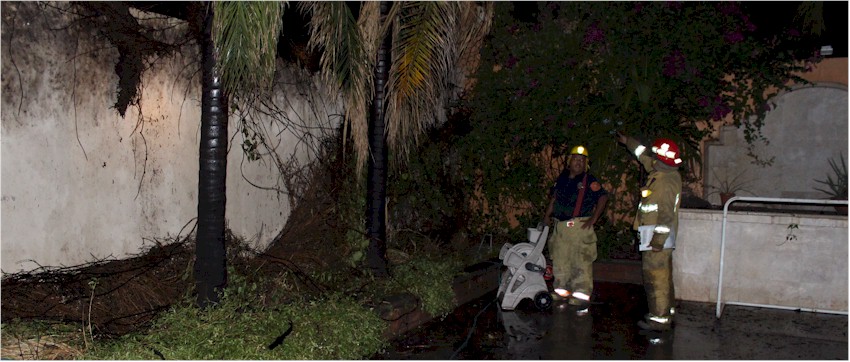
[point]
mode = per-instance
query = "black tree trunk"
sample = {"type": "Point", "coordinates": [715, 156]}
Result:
{"type": "Point", "coordinates": [210, 256]}
{"type": "Point", "coordinates": [376, 183]}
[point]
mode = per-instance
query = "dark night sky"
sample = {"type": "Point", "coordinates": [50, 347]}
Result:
{"type": "Point", "coordinates": [769, 16]}
{"type": "Point", "coordinates": [772, 16]}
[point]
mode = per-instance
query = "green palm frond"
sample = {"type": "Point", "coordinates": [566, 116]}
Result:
{"type": "Point", "coordinates": [810, 17]}
{"type": "Point", "coordinates": [428, 39]}
{"type": "Point", "coordinates": [838, 185]}
{"type": "Point", "coordinates": [421, 56]}
{"type": "Point", "coordinates": [245, 34]}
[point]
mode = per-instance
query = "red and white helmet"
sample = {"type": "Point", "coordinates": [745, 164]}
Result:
{"type": "Point", "coordinates": [667, 152]}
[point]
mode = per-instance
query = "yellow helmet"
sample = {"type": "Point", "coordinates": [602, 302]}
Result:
{"type": "Point", "coordinates": [582, 151]}
{"type": "Point", "coordinates": [579, 150]}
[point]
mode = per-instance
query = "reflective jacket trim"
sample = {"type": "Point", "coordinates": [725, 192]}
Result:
{"type": "Point", "coordinates": [648, 208]}
{"type": "Point", "coordinates": [639, 150]}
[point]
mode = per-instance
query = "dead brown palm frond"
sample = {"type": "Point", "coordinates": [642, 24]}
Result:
{"type": "Point", "coordinates": [245, 34]}
{"type": "Point", "coordinates": [348, 46]}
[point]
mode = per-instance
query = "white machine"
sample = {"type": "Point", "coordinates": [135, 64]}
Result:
{"type": "Point", "coordinates": [523, 277]}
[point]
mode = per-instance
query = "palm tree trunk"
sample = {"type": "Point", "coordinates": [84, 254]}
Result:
{"type": "Point", "coordinates": [210, 256]}
{"type": "Point", "coordinates": [376, 183]}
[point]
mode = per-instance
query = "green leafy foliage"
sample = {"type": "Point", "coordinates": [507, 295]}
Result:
{"type": "Point", "coordinates": [580, 71]}
{"type": "Point", "coordinates": [430, 280]}
{"type": "Point", "coordinates": [242, 327]}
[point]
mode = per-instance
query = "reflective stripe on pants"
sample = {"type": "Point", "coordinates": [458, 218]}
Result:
{"type": "Point", "coordinates": [573, 251]}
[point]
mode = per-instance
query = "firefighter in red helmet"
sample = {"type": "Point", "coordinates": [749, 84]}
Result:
{"type": "Point", "coordinates": [657, 222]}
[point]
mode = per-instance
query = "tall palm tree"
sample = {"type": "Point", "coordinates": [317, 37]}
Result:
{"type": "Point", "coordinates": [210, 260]}
{"type": "Point", "coordinates": [398, 58]}
{"type": "Point", "coordinates": [238, 41]}
{"type": "Point", "coordinates": [376, 180]}
{"type": "Point", "coordinates": [403, 91]}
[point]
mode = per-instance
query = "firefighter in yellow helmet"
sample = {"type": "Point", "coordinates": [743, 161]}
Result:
{"type": "Point", "coordinates": [657, 222]}
{"type": "Point", "coordinates": [576, 202]}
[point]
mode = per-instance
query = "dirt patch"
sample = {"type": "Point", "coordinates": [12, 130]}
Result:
{"type": "Point", "coordinates": [117, 297]}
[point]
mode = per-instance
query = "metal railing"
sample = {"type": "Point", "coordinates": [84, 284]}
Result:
{"type": "Point", "coordinates": [720, 302]}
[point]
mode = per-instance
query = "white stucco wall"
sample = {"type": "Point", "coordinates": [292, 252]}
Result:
{"type": "Point", "coordinates": [80, 183]}
{"type": "Point", "coordinates": [807, 127]}
{"type": "Point", "coordinates": [762, 264]}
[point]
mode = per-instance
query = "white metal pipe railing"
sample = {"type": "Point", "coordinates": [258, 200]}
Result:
{"type": "Point", "coordinates": [720, 303]}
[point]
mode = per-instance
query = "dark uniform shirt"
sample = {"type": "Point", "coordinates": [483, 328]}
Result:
{"type": "Point", "coordinates": [567, 194]}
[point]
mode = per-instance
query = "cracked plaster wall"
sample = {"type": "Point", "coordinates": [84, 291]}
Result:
{"type": "Point", "coordinates": [80, 183]}
{"type": "Point", "coordinates": [806, 128]}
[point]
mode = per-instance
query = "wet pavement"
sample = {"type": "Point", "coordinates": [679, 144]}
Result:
{"type": "Point", "coordinates": [481, 330]}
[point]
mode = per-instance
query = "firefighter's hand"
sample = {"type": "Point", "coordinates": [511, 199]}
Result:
{"type": "Point", "coordinates": [547, 220]}
{"type": "Point", "coordinates": [588, 224]}
{"type": "Point", "coordinates": [657, 242]}
{"type": "Point", "coordinates": [621, 137]}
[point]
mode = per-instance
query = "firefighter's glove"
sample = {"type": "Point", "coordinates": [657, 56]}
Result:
{"type": "Point", "coordinates": [657, 242]}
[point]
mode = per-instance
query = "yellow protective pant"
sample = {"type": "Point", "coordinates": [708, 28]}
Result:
{"type": "Point", "coordinates": [658, 282]}
{"type": "Point", "coordinates": [573, 251]}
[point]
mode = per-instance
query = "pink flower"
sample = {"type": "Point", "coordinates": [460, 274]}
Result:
{"type": "Point", "coordinates": [593, 35]}
{"type": "Point", "coordinates": [675, 5]}
{"type": "Point", "coordinates": [511, 62]}
{"type": "Point", "coordinates": [734, 37]}
{"type": "Point", "coordinates": [728, 8]}
{"type": "Point", "coordinates": [674, 64]}
{"type": "Point", "coordinates": [720, 111]}
{"type": "Point", "coordinates": [638, 7]}
{"type": "Point", "coordinates": [751, 27]}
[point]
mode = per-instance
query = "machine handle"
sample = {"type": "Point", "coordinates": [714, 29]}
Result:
{"type": "Point", "coordinates": [534, 267]}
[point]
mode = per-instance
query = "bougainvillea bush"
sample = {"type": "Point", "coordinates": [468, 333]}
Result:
{"type": "Point", "coordinates": [576, 72]}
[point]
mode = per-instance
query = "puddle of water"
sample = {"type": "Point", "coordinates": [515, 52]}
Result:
{"type": "Point", "coordinates": [481, 330]}
{"type": "Point", "coordinates": [606, 331]}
